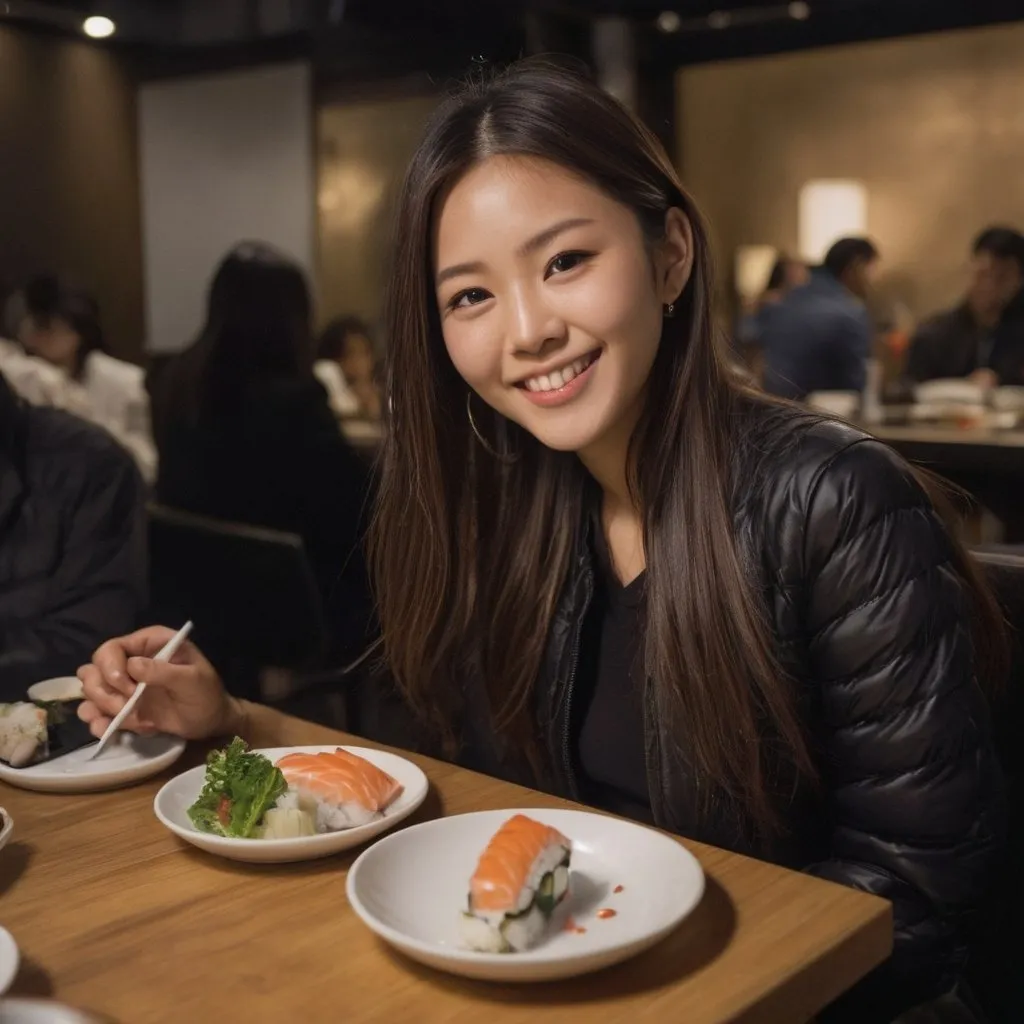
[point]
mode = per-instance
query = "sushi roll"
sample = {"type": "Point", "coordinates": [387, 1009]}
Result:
{"type": "Point", "coordinates": [24, 737]}
{"type": "Point", "coordinates": [341, 789]}
{"type": "Point", "coordinates": [520, 879]}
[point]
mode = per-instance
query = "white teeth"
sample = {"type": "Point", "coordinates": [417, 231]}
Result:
{"type": "Point", "coordinates": [558, 378]}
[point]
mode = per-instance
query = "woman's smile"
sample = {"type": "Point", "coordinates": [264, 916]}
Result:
{"type": "Point", "coordinates": [561, 384]}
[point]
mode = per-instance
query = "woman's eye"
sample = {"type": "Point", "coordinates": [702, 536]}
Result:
{"type": "Point", "coordinates": [566, 261]}
{"type": "Point", "coordinates": [468, 297]}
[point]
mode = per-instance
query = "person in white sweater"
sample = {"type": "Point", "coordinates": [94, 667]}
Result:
{"type": "Point", "coordinates": [59, 325]}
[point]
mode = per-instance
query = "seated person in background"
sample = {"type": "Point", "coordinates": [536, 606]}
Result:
{"type": "Point", "coordinates": [72, 542]}
{"type": "Point", "coordinates": [346, 366]}
{"type": "Point", "coordinates": [983, 337]}
{"type": "Point", "coordinates": [243, 427]}
{"type": "Point", "coordinates": [818, 337]}
{"type": "Point", "coordinates": [40, 383]}
{"type": "Point", "coordinates": [786, 274]}
{"type": "Point", "coordinates": [60, 324]}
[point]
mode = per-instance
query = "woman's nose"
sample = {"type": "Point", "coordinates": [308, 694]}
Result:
{"type": "Point", "coordinates": [535, 327]}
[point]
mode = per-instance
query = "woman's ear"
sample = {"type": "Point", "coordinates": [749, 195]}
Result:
{"type": "Point", "coordinates": [674, 261]}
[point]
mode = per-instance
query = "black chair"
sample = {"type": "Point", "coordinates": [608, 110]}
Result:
{"type": "Point", "coordinates": [250, 592]}
{"type": "Point", "coordinates": [994, 972]}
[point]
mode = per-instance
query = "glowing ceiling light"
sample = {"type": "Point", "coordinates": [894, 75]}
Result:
{"type": "Point", "coordinates": [98, 27]}
{"type": "Point", "coordinates": [799, 10]}
{"type": "Point", "coordinates": [669, 21]}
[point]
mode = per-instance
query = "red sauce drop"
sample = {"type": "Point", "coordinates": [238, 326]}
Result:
{"type": "Point", "coordinates": [603, 915]}
{"type": "Point", "coordinates": [573, 928]}
{"type": "Point", "coordinates": [619, 888]}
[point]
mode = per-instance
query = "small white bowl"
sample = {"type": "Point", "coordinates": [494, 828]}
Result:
{"type": "Point", "coordinates": [61, 688]}
{"type": "Point", "coordinates": [10, 961]}
{"type": "Point", "coordinates": [410, 889]}
{"type": "Point", "coordinates": [173, 801]}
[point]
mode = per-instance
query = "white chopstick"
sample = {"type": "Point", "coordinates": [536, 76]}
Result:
{"type": "Point", "coordinates": [165, 653]}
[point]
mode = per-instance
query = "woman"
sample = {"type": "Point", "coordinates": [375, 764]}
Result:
{"type": "Point", "coordinates": [346, 366]}
{"type": "Point", "coordinates": [604, 567]}
{"type": "Point", "coordinates": [243, 427]}
{"type": "Point", "coordinates": [60, 324]}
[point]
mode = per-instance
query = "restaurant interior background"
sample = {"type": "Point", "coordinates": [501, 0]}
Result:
{"type": "Point", "coordinates": [143, 139]}
{"type": "Point", "coordinates": [136, 161]}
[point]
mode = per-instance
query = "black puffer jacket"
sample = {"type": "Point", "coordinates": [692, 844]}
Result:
{"type": "Point", "coordinates": [872, 623]}
{"type": "Point", "coordinates": [72, 543]}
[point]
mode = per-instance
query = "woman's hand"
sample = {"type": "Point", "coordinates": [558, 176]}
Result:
{"type": "Point", "coordinates": [184, 697]}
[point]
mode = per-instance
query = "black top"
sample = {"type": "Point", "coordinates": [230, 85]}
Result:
{"type": "Point", "coordinates": [611, 685]}
{"type": "Point", "coordinates": [280, 461]}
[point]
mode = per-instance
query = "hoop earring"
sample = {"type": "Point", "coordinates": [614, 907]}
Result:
{"type": "Point", "coordinates": [507, 458]}
{"type": "Point", "coordinates": [670, 311]}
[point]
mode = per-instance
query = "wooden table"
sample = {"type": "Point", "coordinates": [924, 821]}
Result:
{"type": "Point", "coordinates": [115, 915]}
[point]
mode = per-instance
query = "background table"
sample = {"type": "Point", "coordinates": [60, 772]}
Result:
{"type": "Point", "coordinates": [114, 914]}
{"type": "Point", "coordinates": [988, 464]}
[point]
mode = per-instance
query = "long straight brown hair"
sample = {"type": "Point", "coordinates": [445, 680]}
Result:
{"type": "Point", "coordinates": [469, 553]}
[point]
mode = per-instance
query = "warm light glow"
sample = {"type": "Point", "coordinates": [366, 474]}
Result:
{"type": "Point", "coordinates": [753, 267]}
{"type": "Point", "coordinates": [830, 210]}
{"type": "Point", "coordinates": [98, 27]}
{"type": "Point", "coordinates": [669, 21]}
{"type": "Point", "coordinates": [799, 10]}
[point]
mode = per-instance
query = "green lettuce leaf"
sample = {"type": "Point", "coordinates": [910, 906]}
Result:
{"type": "Point", "coordinates": [240, 787]}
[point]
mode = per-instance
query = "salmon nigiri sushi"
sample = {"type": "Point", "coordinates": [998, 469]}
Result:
{"type": "Point", "coordinates": [520, 879]}
{"type": "Point", "coordinates": [341, 789]}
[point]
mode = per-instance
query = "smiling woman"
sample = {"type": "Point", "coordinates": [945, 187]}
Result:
{"type": "Point", "coordinates": [605, 567]}
{"type": "Point", "coordinates": [627, 577]}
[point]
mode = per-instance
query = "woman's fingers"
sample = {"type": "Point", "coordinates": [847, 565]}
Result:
{"type": "Point", "coordinates": [108, 699]}
{"type": "Point", "coordinates": [158, 673]}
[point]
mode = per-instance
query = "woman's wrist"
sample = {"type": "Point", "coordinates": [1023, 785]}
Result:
{"type": "Point", "coordinates": [234, 718]}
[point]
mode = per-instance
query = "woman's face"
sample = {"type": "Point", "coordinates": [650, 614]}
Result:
{"type": "Point", "coordinates": [357, 359]}
{"type": "Point", "coordinates": [52, 339]}
{"type": "Point", "coordinates": [551, 300]}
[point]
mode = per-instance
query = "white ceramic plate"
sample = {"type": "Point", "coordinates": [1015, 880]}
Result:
{"type": "Point", "coordinates": [128, 759]}
{"type": "Point", "coordinates": [9, 960]}
{"type": "Point", "coordinates": [6, 827]}
{"type": "Point", "coordinates": [172, 803]}
{"type": "Point", "coordinates": [410, 889]}
{"type": "Point", "coordinates": [40, 1011]}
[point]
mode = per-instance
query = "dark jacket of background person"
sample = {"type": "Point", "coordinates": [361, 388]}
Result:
{"type": "Point", "coordinates": [872, 625]}
{"type": "Point", "coordinates": [954, 344]}
{"type": "Point", "coordinates": [816, 338]}
{"type": "Point", "coordinates": [72, 543]}
{"type": "Point", "coordinates": [985, 333]}
{"type": "Point", "coordinates": [244, 431]}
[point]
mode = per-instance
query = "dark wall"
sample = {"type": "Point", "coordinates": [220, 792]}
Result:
{"type": "Point", "coordinates": [69, 184]}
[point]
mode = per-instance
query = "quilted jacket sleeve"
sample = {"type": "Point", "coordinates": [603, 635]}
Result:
{"type": "Point", "coordinates": [915, 797]}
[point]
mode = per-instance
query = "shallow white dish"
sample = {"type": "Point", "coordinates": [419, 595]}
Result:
{"type": "Point", "coordinates": [174, 799]}
{"type": "Point", "coordinates": [410, 889]}
{"type": "Point", "coordinates": [40, 1011]}
{"type": "Point", "coordinates": [10, 960]}
{"type": "Point", "coordinates": [129, 759]}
